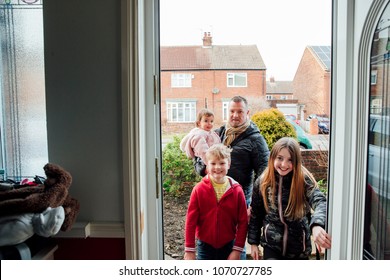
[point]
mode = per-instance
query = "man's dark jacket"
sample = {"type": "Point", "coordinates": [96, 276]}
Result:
{"type": "Point", "coordinates": [249, 157]}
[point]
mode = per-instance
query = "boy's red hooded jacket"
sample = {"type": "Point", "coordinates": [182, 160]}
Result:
{"type": "Point", "coordinates": [216, 222]}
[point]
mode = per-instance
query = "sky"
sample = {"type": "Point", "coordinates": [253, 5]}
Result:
{"type": "Point", "coordinates": [281, 29]}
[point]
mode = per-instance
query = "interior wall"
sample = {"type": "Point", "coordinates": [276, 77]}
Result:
{"type": "Point", "coordinates": [83, 94]}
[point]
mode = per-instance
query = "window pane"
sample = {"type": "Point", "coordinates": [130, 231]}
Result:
{"type": "Point", "coordinates": [22, 89]}
{"type": "Point", "coordinates": [187, 112]}
{"type": "Point", "coordinates": [230, 80]}
{"type": "Point", "coordinates": [236, 80]}
{"type": "Point", "coordinates": [174, 112]}
{"type": "Point", "coordinates": [180, 112]}
{"type": "Point", "coordinates": [377, 211]}
{"type": "Point", "coordinates": [225, 111]}
{"type": "Point", "coordinates": [240, 80]}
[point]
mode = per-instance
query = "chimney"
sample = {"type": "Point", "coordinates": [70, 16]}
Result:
{"type": "Point", "coordinates": [272, 79]}
{"type": "Point", "coordinates": [207, 40]}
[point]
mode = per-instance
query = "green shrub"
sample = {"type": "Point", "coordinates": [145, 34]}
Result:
{"type": "Point", "coordinates": [177, 169]}
{"type": "Point", "coordinates": [323, 186]}
{"type": "Point", "coordinates": [273, 125]}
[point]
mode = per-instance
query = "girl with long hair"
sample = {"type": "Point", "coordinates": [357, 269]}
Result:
{"type": "Point", "coordinates": [287, 207]}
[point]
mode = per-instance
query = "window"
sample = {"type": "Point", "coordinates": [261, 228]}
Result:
{"type": "Point", "coordinates": [283, 97]}
{"type": "Point", "coordinates": [373, 77]}
{"type": "Point", "coordinates": [377, 204]}
{"type": "Point", "coordinates": [22, 89]}
{"type": "Point", "coordinates": [181, 80]}
{"type": "Point", "coordinates": [268, 97]}
{"type": "Point", "coordinates": [376, 106]}
{"type": "Point", "coordinates": [181, 111]}
{"type": "Point", "coordinates": [236, 79]}
{"type": "Point", "coordinates": [225, 113]}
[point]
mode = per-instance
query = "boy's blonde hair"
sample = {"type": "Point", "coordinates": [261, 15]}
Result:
{"type": "Point", "coordinates": [201, 113]}
{"type": "Point", "coordinates": [219, 151]}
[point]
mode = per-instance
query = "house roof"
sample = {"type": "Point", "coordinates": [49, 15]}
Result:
{"type": "Point", "coordinates": [280, 87]}
{"type": "Point", "coordinates": [234, 57]}
{"type": "Point", "coordinates": [323, 55]}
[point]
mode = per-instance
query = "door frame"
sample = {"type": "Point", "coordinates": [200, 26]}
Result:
{"type": "Point", "coordinates": [353, 24]}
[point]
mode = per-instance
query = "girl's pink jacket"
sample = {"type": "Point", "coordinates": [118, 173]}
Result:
{"type": "Point", "coordinates": [197, 141]}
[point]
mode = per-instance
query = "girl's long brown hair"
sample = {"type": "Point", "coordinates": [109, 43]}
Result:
{"type": "Point", "coordinates": [296, 207]}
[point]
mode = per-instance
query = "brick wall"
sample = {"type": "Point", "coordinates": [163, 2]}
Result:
{"type": "Point", "coordinates": [317, 163]}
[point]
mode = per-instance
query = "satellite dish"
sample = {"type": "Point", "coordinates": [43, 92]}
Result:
{"type": "Point", "coordinates": [215, 90]}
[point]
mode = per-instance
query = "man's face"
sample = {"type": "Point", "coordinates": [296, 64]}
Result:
{"type": "Point", "coordinates": [238, 113]}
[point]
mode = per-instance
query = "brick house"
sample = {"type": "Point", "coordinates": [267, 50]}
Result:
{"type": "Point", "coordinates": [195, 77]}
{"type": "Point", "coordinates": [280, 95]}
{"type": "Point", "coordinates": [279, 90]}
{"type": "Point", "coordinates": [311, 84]}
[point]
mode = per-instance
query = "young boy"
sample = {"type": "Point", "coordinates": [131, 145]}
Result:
{"type": "Point", "coordinates": [217, 214]}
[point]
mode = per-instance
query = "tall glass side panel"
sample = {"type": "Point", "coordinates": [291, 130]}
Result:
{"type": "Point", "coordinates": [22, 89]}
{"type": "Point", "coordinates": [377, 211]}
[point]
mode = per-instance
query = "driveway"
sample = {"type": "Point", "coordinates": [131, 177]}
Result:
{"type": "Point", "coordinates": [319, 142]}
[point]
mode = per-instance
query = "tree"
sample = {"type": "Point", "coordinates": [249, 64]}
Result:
{"type": "Point", "coordinates": [257, 104]}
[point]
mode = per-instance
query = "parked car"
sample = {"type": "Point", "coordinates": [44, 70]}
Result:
{"type": "Point", "coordinates": [323, 123]}
{"type": "Point", "coordinates": [292, 117]}
{"type": "Point", "coordinates": [378, 173]}
{"type": "Point", "coordinates": [303, 140]}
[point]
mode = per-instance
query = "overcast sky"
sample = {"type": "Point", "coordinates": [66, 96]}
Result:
{"type": "Point", "coordinates": [281, 29]}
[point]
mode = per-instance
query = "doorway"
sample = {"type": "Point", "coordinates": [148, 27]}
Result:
{"type": "Point", "coordinates": [197, 42]}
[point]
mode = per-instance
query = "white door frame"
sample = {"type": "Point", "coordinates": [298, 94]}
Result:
{"type": "Point", "coordinates": [353, 25]}
{"type": "Point", "coordinates": [141, 130]}
{"type": "Point", "coordinates": [354, 22]}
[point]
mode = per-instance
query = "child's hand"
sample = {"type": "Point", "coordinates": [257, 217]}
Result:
{"type": "Point", "coordinates": [234, 255]}
{"type": "Point", "coordinates": [321, 238]}
{"type": "Point", "coordinates": [255, 252]}
{"type": "Point", "coordinates": [248, 212]}
{"type": "Point", "coordinates": [189, 256]}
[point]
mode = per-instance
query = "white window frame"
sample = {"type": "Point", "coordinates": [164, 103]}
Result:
{"type": "Point", "coordinates": [231, 79]}
{"type": "Point", "coordinates": [181, 80]}
{"type": "Point", "coordinates": [181, 111]}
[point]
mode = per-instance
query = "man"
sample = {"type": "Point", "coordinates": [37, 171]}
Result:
{"type": "Point", "coordinates": [250, 152]}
